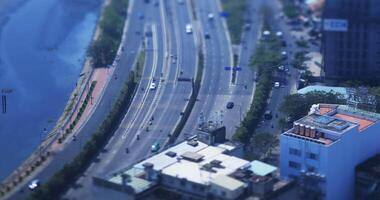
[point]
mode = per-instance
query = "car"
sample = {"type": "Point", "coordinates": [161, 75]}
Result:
{"type": "Point", "coordinates": [207, 35]}
{"type": "Point", "coordinates": [284, 55]}
{"type": "Point", "coordinates": [279, 34]}
{"type": "Point", "coordinates": [210, 16]}
{"type": "Point", "coordinates": [152, 86]}
{"type": "Point", "coordinates": [155, 147]}
{"type": "Point", "coordinates": [230, 105]}
{"type": "Point", "coordinates": [189, 28]}
{"type": "Point", "coordinates": [247, 26]}
{"type": "Point", "coordinates": [180, 2]}
{"type": "Point", "coordinates": [268, 115]}
{"type": "Point", "coordinates": [34, 184]}
{"type": "Point", "coordinates": [281, 68]}
{"type": "Point", "coordinates": [276, 84]}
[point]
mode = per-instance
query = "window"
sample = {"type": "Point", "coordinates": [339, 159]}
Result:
{"type": "Point", "coordinates": [312, 156]}
{"type": "Point", "coordinates": [294, 165]}
{"type": "Point", "coordinates": [310, 168]}
{"type": "Point", "coordinates": [294, 151]}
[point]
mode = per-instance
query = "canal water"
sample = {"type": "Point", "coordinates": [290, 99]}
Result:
{"type": "Point", "coordinates": [42, 47]}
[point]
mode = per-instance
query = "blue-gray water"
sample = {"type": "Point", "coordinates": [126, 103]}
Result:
{"type": "Point", "coordinates": [42, 48]}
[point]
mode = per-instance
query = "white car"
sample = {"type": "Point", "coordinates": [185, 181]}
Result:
{"type": "Point", "coordinates": [276, 84]}
{"type": "Point", "coordinates": [210, 16]}
{"type": "Point", "coordinates": [152, 86]}
{"type": "Point", "coordinates": [189, 28]}
{"type": "Point", "coordinates": [34, 184]}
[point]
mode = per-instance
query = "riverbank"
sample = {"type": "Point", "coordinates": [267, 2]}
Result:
{"type": "Point", "coordinates": [42, 151]}
{"type": "Point", "coordinates": [84, 77]}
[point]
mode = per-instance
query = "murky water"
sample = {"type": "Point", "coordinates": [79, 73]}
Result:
{"type": "Point", "coordinates": [42, 48]}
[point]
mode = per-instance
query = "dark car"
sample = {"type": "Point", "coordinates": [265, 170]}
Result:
{"type": "Point", "coordinates": [207, 35]}
{"type": "Point", "coordinates": [230, 105]}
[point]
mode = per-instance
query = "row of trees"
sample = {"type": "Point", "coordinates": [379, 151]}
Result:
{"type": "Point", "coordinates": [235, 11]}
{"type": "Point", "coordinates": [60, 181]}
{"type": "Point", "coordinates": [103, 50]}
{"type": "Point", "coordinates": [265, 59]}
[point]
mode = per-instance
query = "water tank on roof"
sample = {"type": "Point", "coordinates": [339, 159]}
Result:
{"type": "Point", "coordinates": [296, 128]}
{"type": "Point", "coordinates": [307, 131]}
{"type": "Point", "coordinates": [302, 129]}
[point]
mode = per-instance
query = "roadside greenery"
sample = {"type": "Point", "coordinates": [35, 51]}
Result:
{"type": "Point", "coordinates": [299, 60]}
{"type": "Point", "coordinates": [103, 50]}
{"type": "Point", "coordinates": [302, 43]}
{"type": "Point", "coordinates": [290, 9]}
{"type": "Point", "coordinates": [296, 106]}
{"type": "Point", "coordinates": [265, 60]}
{"type": "Point", "coordinates": [64, 178]}
{"type": "Point", "coordinates": [86, 100]}
{"type": "Point", "coordinates": [235, 20]}
{"type": "Point", "coordinates": [262, 144]}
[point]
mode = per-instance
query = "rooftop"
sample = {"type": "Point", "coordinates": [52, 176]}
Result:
{"type": "Point", "coordinates": [205, 171]}
{"type": "Point", "coordinates": [326, 123]}
{"type": "Point", "coordinates": [339, 118]}
{"type": "Point", "coordinates": [227, 182]}
{"type": "Point", "coordinates": [261, 169]}
{"type": "Point", "coordinates": [203, 161]}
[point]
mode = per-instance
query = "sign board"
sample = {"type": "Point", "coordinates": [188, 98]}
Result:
{"type": "Point", "coordinates": [237, 68]}
{"type": "Point", "coordinates": [339, 25]}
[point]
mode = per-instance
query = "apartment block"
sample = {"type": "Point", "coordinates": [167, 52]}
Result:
{"type": "Point", "coordinates": [323, 148]}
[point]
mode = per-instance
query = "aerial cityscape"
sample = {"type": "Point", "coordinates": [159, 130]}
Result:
{"type": "Point", "coordinates": [190, 99]}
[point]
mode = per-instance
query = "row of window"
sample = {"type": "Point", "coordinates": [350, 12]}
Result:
{"type": "Point", "coordinates": [297, 152]}
{"type": "Point", "coordinates": [296, 165]}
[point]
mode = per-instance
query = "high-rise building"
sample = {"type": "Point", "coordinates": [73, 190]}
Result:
{"type": "Point", "coordinates": [351, 39]}
{"type": "Point", "coordinates": [323, 148]}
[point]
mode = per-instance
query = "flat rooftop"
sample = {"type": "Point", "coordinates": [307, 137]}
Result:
{"type": "Point", "coordinates": [202, 172]}
{"type": "Point", "coordinates": [326, 123]}
{"type": "Point", "coordinates": [198, 163]}
{"type": "Point", "coordinates": [339, 118]}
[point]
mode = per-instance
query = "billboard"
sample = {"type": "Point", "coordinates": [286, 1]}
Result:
{"type": "Point", "coordinates": [340, 25]}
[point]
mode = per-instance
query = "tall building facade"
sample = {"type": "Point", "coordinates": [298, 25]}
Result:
{"type": "Point", "coordinates": [351, 39]}
{"type": "Point", "coordinates": [323, 148]}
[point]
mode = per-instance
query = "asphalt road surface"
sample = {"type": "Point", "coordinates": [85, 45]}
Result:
{"type": "Point", "coordinates": [170, 53]}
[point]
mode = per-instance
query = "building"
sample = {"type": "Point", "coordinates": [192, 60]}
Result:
{"type": "Point", "coordinates": [323, 148]}
{"type": "Point", "coordinates": [194, 170]}
{"type": "Point", "coordinates": [367, 179]}
{"type": "Point", "coordinates": [350, 41]}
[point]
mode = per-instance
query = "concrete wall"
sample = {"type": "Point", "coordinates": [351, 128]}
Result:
{"type": "Point", "coordinates": [337, 161]}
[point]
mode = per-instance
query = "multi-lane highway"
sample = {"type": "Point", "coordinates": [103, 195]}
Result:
{"type": "Point", "coordinates": [170, 53]}
{"type": "Point", "coordinates": [158, 29]}
{"type": "Point", "coordinates": [124, 66]}
{"type": "Point", "coordinates": [217, 87]}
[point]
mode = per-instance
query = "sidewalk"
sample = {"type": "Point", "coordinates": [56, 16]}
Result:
{"type": "Point", "coordinates": [101, 76]}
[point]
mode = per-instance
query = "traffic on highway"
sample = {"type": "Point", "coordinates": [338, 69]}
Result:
{"type": "Point", "coordinates": [187, 71]}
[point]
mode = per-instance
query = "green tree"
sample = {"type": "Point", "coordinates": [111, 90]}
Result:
{"type": "Point", "coordinates": [296, 106]}
{"type": "Point", "coordinates": [262, 144]}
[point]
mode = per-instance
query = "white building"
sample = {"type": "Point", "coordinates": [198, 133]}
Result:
{"type": "Point", "coordinates": [323, 148]}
